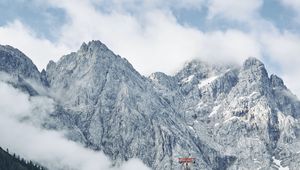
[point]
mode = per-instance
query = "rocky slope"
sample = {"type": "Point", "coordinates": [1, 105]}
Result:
{"type": "Point", "coordinates": [226, 116]}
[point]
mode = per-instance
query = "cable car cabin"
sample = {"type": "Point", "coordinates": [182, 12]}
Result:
{"type": "Point", "coordinates": [185, 162]}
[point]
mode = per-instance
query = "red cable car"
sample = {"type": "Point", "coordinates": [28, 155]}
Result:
{"type": "Point", "coordinates": [186, 161]}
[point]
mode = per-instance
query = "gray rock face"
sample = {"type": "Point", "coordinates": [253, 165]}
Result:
{"type": "Point", "coordinates": [243, 109]}
{"type": "Point", "coordinates": [15, 62]}
{"type": "Point", "coordinates": [119, 112]}
{"type": "Point", "coordinates": [25, 74]}
{"type": "Point", "coordinates": [226, 116]}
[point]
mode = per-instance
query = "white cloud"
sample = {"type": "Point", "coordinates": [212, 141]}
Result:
{"type": "Point", "coordinates": [284, 50]}
{"type": "Point", "coordinates": [149, 41]}
{"type": "Point", "coordinates": [142, 5]}
{"type": "Point", "coordinates": [40, 50]}
{"type": "Point", "coordinates": [133, 164]}
{"type": "Point", "coordinates": [232, 45]}
{"type": "Point", "coordinates": [153, 40]}
{"type": "Point", "coordinates": [13, 97]}
{"type": "Point", "coordinates": [295, 4]}
{"type": "Point", "coordinates": [234, 9]}
{"type": "Point", "coordinates": [49, 148]}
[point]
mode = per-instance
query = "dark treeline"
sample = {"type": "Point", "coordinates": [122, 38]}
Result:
{"type": "Point", "coordinates": [12, 162]}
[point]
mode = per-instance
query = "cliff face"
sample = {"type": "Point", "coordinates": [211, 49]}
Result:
{"type": "Point", "coordinates": [227, 117]}
{"type": "Point", "coordinates": [119, 111]}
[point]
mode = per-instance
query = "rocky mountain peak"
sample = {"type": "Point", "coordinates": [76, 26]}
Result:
{"type": "Point", "coordinates": [93, 46]}
{"type": "Point", "coordinates": [195, 66]}
{"type": "Point", "coordinates": [200, 70]}
{"type": "Point", "coordinates": [164, 80]}
{"type": "Point", "coordinates": [277, 81]}
{"type": "Point", "coordinates": [253, 70]}
{"type": "Point", "coordinates": [93, 55]}
{"type": "Point", "coordinates": [225, 116]}
{"type": "Point", "coordinates": [11, 50]}
{"type": "Point", "coordinates": [88, 71]}
{"type": "Point", "coordinates": [50, 65]}
{"type": "Point", "coordinates": [252, 62]}
{"type": "Point", "coordinates": [83, 47]}
{"type": "Point", "coordinates": [14, 62]}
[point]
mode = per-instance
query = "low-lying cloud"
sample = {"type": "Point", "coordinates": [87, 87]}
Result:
{"type": "Point", "coordinates": [21, 134]}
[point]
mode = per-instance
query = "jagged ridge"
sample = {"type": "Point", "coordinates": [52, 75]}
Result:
{"type": "Point", "coordinates": [228, 117]}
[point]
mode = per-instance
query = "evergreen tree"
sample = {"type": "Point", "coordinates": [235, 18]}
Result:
{"type": "Point", "coordinates": [14, 162]}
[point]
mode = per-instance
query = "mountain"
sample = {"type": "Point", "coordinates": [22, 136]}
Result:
{"type": "Point", "coordinates": [119, 112]}
{"type": "Point", "coordinates": [15, 62]}
{"type": "Point", "coordinates": [226, 116]}
{"type": "Point", "coordinates": [9, 162]}
{"type": "Point", "coordinates": [18, 65]}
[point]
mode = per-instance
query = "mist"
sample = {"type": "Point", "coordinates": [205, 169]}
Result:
{"type": "Point", "coordinates": [21, 133]}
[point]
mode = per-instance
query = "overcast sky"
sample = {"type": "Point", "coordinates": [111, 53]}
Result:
{"type": "Point", "coordinates": [160, 35]}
